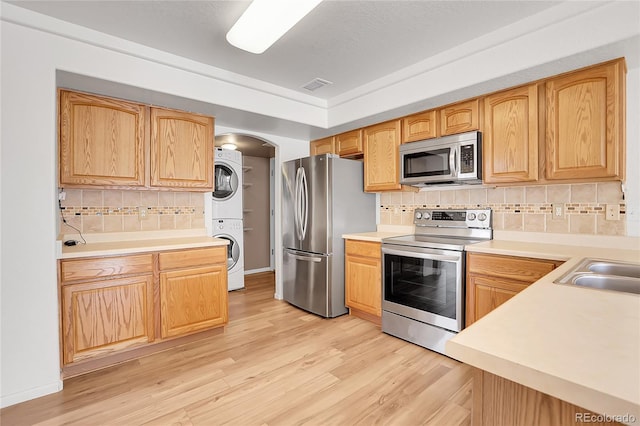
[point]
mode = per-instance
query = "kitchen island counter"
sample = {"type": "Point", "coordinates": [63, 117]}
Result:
{"type": "Point", "coordinates": [577, 344]}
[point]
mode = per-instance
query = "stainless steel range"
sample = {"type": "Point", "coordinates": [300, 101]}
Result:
{"type": "Point", "coordinates": [423, 275]}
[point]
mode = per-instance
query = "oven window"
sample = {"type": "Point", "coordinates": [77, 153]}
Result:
{"type": "Point", "coordinates": [429, 163]}
{"type": "Point", "coordinates": [424, 284]}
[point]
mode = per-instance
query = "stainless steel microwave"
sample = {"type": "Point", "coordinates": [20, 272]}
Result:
{"type": "Point", "coordinates": [449, 159]}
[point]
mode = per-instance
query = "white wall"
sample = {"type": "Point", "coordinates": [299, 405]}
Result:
{"type": "Point", "coordinates": [29, 59]}
{"type": "Point", "coordinates": [29, 314]}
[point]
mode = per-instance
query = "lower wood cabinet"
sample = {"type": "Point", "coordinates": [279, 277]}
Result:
{"type": "Point", "coordinates": [494, 279]}
{"type": "Point", "coordinates": [363, 279]}
{"type": "Point", "coordinates": [122, 304]}
{"type": "Point", "coordinates": [101, 317]}
{"type": "Point", "coordinates": [193, 298]}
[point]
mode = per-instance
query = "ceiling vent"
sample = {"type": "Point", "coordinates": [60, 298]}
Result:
{"type": "Point", "coordinates": [316, 83]}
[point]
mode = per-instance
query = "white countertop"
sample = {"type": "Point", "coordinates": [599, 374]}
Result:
{"type": "Point", "coordinates": [578, 344]}
{"type": "Point", "coordinates": [136, 242]}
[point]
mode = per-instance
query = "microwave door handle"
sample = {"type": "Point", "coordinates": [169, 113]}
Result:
{"type": "Point", "coordinates": [453, 161]}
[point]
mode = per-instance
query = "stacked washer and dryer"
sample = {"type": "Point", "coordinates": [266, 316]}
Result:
{"type": "Point", "coordinates": [227, 211]}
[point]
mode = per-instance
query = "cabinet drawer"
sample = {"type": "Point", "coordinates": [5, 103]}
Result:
{"type": "Point", "coordinates": [82, 269]}
{"type": "Point", "coordinates": [188, 258]}
{"type": "Point", "coordinates": [363, 248]}
{"type": "Point", "coordinates": [516, 268]}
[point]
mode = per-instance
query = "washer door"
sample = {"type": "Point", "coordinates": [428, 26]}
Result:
{"type": "Point", "coordinates": [233, 250]}
{"type": "Point", "coordinates": [226, 182]}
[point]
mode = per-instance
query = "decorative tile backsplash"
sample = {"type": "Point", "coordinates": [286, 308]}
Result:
{"type": "Point", "coordinates": [520, 208]}
{"type": "Point", "coordinates": [96, 211]}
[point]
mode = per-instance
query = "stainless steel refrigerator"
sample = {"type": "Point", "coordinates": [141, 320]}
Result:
{"type": "Point", "coordinates": [322, 199]}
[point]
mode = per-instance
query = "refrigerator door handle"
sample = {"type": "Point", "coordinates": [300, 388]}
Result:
{"type": "Point", "coordinates": [296, 202]}
{"type": "Point", "coordinates": [305, 211]}
{"type": "Point", "coordinates": [314, 259]}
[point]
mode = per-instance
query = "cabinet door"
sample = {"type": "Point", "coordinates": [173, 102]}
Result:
{"type": "Point", "coordinates": [181, 150]}
{"type": "Point", "coordinates": [585, 123]}
{"type": "Point", "coordinates": [420, 126]}
{"type": "Point", "coordinates": [102, 141]}
{"type": "Point", "coordinates": [102, 317]}
{"type": "Point", "coordinates": [363, 284]}
{"type": "Point", "coordinates": [489, 294]}
{"type": "Point", "coordinates": [349, 144]}
{"type": "Point", "coordinates": [510, 138]}
{"type": "Point", "coordinates": [192, 300]}
{"type": "Point", "coordinates": [459, 118]}
{"type": "Point", "coordinates": [382, 157]}
{"type": "Point", "coordinates": [322, 146]}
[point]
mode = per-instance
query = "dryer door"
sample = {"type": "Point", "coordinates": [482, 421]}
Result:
{"type": "Point", "coordinates": [233, 250]}
{"type": "Point", "coordinates": [225, 182]}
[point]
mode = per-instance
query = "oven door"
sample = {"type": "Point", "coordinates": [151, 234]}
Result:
{"type": "Point", "coordinates": [424, 284]}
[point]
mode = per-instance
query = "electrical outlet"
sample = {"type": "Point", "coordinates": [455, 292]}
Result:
{"type": "Point", "coordinates": [557, 211]}
{"type": "Point", "coordinates": [612, 212]}
{"type": "Point", "coordinates": [62, 195]}
{"type": "Point", "coordinates": [142, 213]}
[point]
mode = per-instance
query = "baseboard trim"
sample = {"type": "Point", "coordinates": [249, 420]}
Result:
{"type": "Point", "coordinates": [16, 398]}
{"type": "Point", "coordinates": [257, 271]}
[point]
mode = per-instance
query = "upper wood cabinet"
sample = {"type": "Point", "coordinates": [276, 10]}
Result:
{"type": "Point", "coordinates": [423, 125]}
{"type": "Point", "coordinates": [322, 146]}
{"type": "Point", "coordinates": [460, 117]}
{"type": "Point", "coordinates": [181, 149]}
{"type": "Point", "coordinates": [585, 123]}
{"type": "Point", "coordinates": [382, 157]}
{"type": "Point", "coordinates": [102, 141]}
{"type": "Point", "coordinates": [510, 137]}
{"type": "Point", "coordinates": [118, 144]}
{"type": "Point", "coordinates": [349, 144]}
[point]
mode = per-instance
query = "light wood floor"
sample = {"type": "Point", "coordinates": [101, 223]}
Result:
{"type": "Point", "coordinates": [273, 365]}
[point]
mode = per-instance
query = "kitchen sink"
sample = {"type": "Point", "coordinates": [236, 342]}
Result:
{"type": "Point", "coordinates": [611, 268]}
{"type": "Point", "coordinates": [604, 275]}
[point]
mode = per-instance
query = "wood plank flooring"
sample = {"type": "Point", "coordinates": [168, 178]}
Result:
{"type": "Point", "coordinates": [274, 365]}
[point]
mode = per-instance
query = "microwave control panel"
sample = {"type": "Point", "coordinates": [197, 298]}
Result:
{"type": "Point", "coordinates": [467, 162]}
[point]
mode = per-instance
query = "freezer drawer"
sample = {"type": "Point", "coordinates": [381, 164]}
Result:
{"type": "Point", "coordinates": [308, 285]}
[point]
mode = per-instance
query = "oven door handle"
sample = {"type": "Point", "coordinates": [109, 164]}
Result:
{"type": "Point", "coordinates": [433, 256]}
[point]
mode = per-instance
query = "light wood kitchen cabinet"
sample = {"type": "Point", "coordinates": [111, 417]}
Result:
{"type": "Point", "coordinates": [382, 157]}
{"type": "Point", "coordinates": [459, 118]}
{"type": "Point", "coordinates": [494, 279]}
{"type": "Point", "coordinates": [423, 125]}
{"type": "Point", "coordinates": [510, 138]}
{"type": "Point", "coordinates": [322, 146]}
{"type": "Point", "coordinates": [107, 305]}
{"type": "Point", "coordinates": [349, 144]}
{"type": "Point", "coordinates": [193, 290]}
{"type": "Point", "coordinates": [102, 141]}
{"type": "Point", "coordinates": [111, 143]}
{"type": "Point", "coordinates": [363, 280]}
{"type": "Point", "coordinates": [181, 150]}
{"type": "Point", "coordinates": [586, 123]}
{"type": "Point", "coordinates": [116, 308]}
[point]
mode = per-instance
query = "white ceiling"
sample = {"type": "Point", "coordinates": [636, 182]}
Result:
{"type": "Point", "coordinates": [349, 43]}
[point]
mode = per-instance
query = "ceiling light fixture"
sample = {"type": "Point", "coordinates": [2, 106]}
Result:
{"type": "Point", "coordinates": [265, 21]}
{"type": "Point", "coordinates": [229, 146]}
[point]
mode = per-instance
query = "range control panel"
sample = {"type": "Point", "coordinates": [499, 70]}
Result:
{"type": "Point", "coordinates": [475, 218]}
